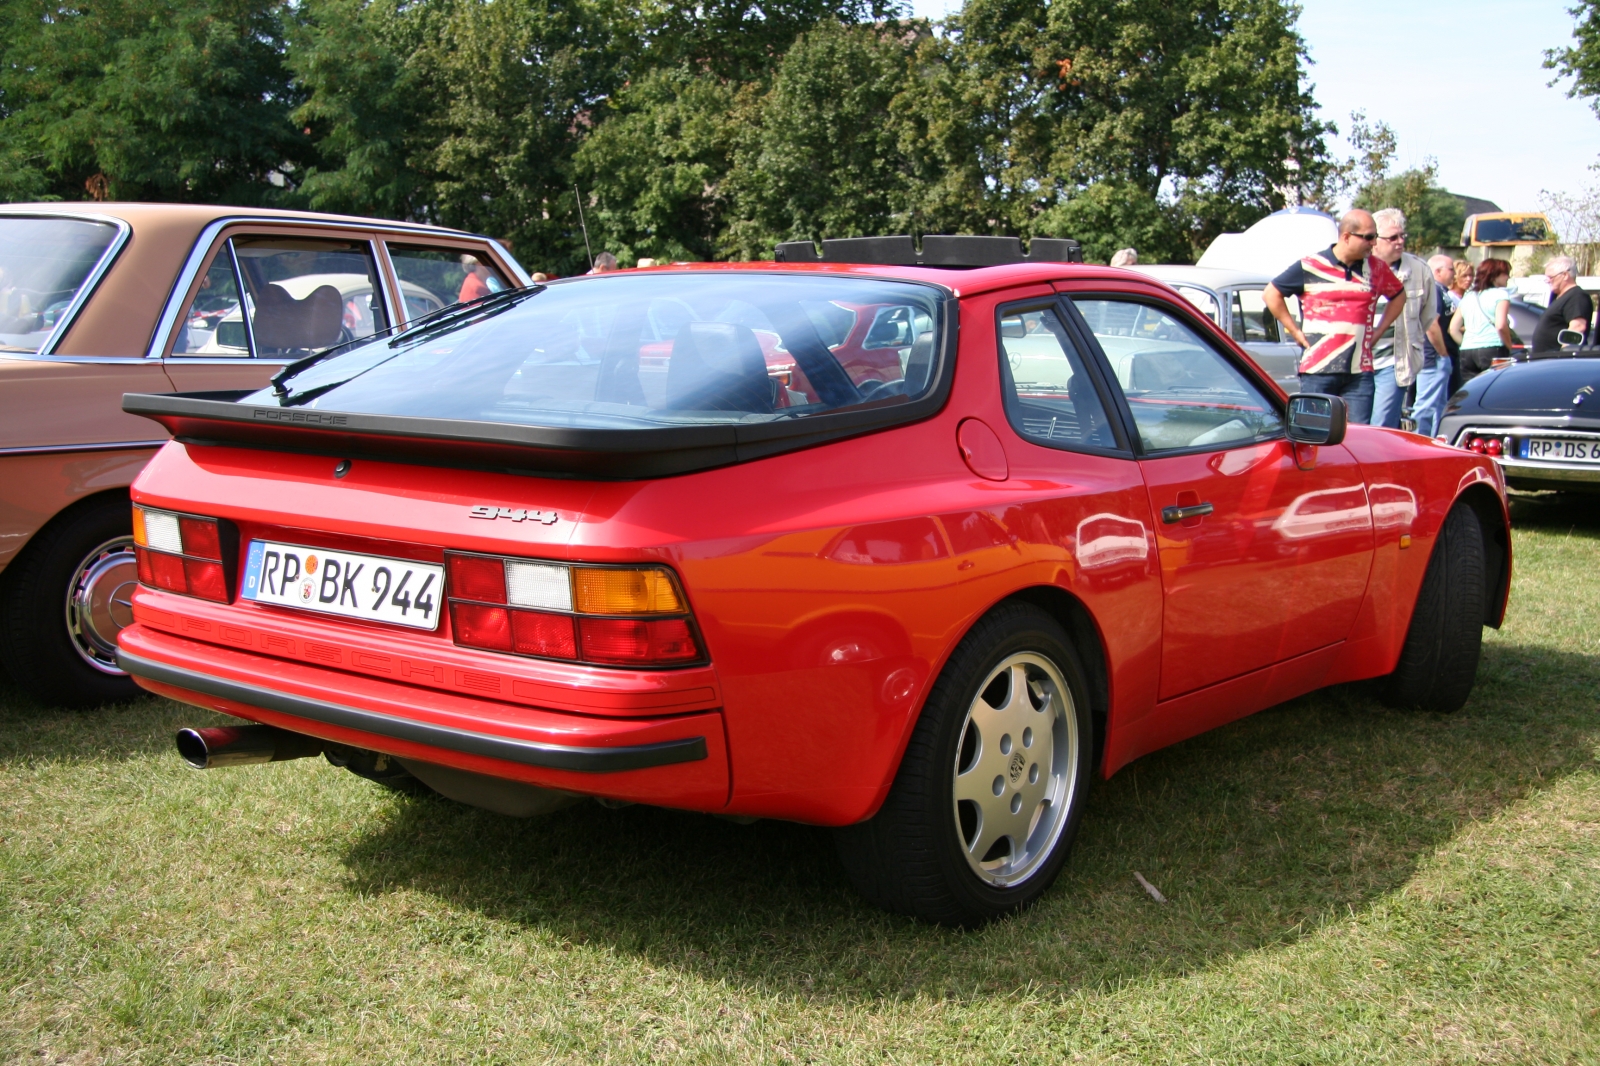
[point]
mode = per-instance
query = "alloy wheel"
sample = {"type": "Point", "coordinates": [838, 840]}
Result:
{"type": "Point", "coordinates": [1016, 769]}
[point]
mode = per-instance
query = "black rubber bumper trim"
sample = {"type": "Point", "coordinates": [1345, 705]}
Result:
{"type": "Point", "coordinates": [526, 752]}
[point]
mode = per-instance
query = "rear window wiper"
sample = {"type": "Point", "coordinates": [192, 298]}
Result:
{"type": "Point", "coordinates": [428, 321]}
{"type": "Point", "coordinates": [447, 316]}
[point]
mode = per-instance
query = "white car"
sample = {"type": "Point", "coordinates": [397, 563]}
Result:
{"type": "Point", "coordinates": [1233, 300]}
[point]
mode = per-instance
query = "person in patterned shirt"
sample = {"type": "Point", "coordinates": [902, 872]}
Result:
{"type": "Point", "coordinates": [1338, 290]}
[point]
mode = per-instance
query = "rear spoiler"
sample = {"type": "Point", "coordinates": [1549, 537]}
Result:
{"type": "Point", "coordinates": [614, 454]}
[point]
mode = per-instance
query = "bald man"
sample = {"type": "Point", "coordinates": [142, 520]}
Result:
{"type": "Point", "coordinates": [1339, 287]}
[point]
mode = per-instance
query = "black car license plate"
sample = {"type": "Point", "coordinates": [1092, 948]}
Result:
{"type": "Point", "coordinates": [1557, 449]}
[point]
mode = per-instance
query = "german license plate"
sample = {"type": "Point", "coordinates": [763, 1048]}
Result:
{"type": "Point", "coordinates": [1565, 451]}
{"type": "Point", "coordinates": [402, 592]}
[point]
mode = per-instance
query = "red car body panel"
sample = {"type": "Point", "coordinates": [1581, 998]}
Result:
{"type": "Point", "coordinates": [831, 584]}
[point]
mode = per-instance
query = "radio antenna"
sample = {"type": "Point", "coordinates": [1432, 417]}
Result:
{"type": "Point", "coordinates": [587, 250]}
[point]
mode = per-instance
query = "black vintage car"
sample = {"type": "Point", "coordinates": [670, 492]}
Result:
{"type": "Point", "coordinates": [1539, 418]}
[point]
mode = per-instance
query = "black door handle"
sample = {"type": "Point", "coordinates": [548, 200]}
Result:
{"type": "Point", "coordinates": [1170, 515]}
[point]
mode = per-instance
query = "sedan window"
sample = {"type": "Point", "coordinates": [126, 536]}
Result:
{"type": "Point", "coordinates": [301, 295]}
{"type": "Point", "coordinates": [1202, 300]}
{"type": "Point", "coordinates": [1183, 393]}
{"type": "Point", "coordinates": [43, 264]}
{"type": "Point", "coordinates": [1251, 319]}
{"type": "Point", "coordinates": [431, 278]}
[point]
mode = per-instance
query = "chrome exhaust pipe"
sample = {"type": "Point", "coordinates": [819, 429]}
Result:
{"type": "Point", "coordinates": [243, 745]}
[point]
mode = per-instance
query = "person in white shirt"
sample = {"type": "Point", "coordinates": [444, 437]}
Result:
{"type": "Point", "coordinates": [1397, 357]}
{"type": "Point", "coordinates": [1433, 380]}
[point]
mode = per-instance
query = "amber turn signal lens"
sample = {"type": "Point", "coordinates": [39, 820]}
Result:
{"type": "Point", "coordinates": [625, 591]}
{"type": "Point", "coordinates": [139, 536]}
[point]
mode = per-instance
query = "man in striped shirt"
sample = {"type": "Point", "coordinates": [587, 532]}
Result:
{"type": "Point", "coordinates": [1338, 290]}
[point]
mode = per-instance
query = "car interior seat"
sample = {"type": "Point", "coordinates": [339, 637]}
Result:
{"type": "Point", "coordinates": [282, 322]}
{"type": "Point", "coordinates": [718, 366]}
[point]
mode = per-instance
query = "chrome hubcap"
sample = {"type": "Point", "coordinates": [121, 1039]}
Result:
{"type": "Point", "coordinates": [100, 602]}
{"type": "Point", "coordinates": [1016, 769]}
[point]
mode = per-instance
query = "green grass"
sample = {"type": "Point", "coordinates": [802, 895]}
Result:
{"type": "Point", "coordinates": [1347, 884]}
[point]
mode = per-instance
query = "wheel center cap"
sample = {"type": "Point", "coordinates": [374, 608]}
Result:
{"type": "Point", "coordinates": [1017, 763]}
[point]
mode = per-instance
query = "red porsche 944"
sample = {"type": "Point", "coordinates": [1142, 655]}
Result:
{"type": "Point", "coordinates": [911, 543]}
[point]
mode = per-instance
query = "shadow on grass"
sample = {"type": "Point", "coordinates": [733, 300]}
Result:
{"type": "Point", "coordinates": [30, 730]}
{"type": "Point", "coordinates": [1577, 513]}
{"type": "Point", "coordinates": [1259, 833]}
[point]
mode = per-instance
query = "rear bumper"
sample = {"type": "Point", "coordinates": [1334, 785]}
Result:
{"type": "Point", "coordinates": [1521, 472]}
{"type": "Point", "coordinates": [676, 761]}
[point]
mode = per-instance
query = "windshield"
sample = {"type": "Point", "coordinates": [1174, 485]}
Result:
{"type": "Point", "coordinates": [43, 263]}
{"type": "Point", "coordinates": [641, 351]}
{"type": "Point", "coordinates": [1510, 230]}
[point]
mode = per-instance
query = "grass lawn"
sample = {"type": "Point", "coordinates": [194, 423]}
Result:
{"type": "Point", "coordinates": [1346, 884]}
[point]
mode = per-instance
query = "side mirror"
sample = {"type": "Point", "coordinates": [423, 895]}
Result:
{"type": "Point", "coordinates": [1317, 419]}
{"type": "Point", "coordinates": [1569, 338]}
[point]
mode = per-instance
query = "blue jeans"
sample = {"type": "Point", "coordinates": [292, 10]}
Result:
{"type": "Point", "coordinates": [1387, 398]}
{"type": "Point", "coordinates": [1433, 389]}
{"type": "Point", "coordinates": [1356, 389]}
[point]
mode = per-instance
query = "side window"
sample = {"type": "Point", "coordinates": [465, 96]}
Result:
{"type": "Point", "coordinates": [1251, 319]}
{"type": "Point", "coordinates": [213, 325]}
{"type": "Point", "coordinates": [1049, 397]}
{"type": "Point", "coordinates": [431, 278]}
{"type": "Point", "coordinates": [306, 294]}
{"type": "Point", "coordinates": [1201, 299]}
{"type": "Point", "coordinates": [1183, 393]}
{"type": "Point", "coordinates": [300, 295]}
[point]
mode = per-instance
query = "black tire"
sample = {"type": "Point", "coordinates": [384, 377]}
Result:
{"type": "Point", "coordinates": [1439, 660]}
{"type": "Point", "coordinates": [912, 856]}
{"type": "Point", "coordinates": [36, 640]}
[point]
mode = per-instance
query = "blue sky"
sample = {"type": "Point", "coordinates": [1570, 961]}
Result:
{"type": "Point", "coordinates": [1503, 143]}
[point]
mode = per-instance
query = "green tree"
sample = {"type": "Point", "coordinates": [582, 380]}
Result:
{"type": "Point", "coordinates": [653, 173]}
{"type": "Point", "coordinates": [1198, 103]}
{"type": "Point", "coordinates": [820, 156]}
{"type": "Point", "coordinates": [1433, 216]}
{"type": "Point", "coordinates": [1580, 61]}
{"type": "Point", "coordinates": [185, 100]}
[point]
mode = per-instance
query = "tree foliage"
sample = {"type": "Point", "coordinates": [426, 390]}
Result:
{"type": "Point", "coordinates": [1580, 61]}
{"type": "Point", "coordinates": [186, 100]}
{"type": "Point", "coordinates": [1433, 216]}
{"type": "Point", "coordinates": [691, 130]}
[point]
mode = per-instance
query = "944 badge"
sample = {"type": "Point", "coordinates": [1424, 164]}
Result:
{"type": "Point", "coordinates": [516, 514]}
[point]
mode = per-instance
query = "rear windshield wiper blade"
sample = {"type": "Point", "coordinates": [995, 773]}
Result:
{"type": "Point", "coordinates": [279, 381]}
{"type": "Point", "coordinates": [455, 312]}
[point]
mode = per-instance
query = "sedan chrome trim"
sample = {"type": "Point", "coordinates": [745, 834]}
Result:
{"type": "Point", "coordinates": [92, 280]}
{"type": "Point", "coordinates": [509, 749]}
{"type": "Point", "coordinates": [1526, 431]}
{"type": "Point", "coordinates": [107, 446]}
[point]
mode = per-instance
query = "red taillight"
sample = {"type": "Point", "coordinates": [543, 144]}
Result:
{"type": "Point", "coordinates": [636, 641]}
{"type": "Point", "coordinates": [200, 538]}
{"type": "Point", "coordinates": [478, 626]}
{"type": "Point", "coordinates": [548, 635]}
{"type": "Point", "coordinates": [477, 577]}
{"type": "Point", "coordinates": [1476, 445]}
{"type": "Point", "coordinates": [206, 580]}
{"type": "Point", "coordinates": [1492, 446]}
{"type": "Point", "coordinates": [559, 611]}
{"type": "Point", "coordinates": [182, 553]}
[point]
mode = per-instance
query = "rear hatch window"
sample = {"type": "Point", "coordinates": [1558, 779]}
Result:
{"type": "Point", "coordinates": [43, 264]}
{"type": "Point", "coordinates": [643, 351]}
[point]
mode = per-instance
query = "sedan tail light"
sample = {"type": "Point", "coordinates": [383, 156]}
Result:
{"type": "Point", "coordinates": [185, 553]}
{"type": "Point", "coordinates": [607, 615]}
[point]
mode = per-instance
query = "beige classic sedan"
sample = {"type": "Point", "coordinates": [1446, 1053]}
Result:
{"type": "Point", "coordinates": [101, 299]}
